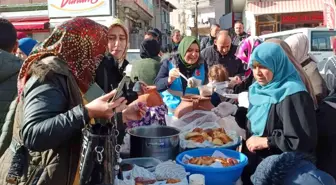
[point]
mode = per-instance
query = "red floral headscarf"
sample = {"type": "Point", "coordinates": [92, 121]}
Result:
{"type": "Point", "coordinates": [80, 42]}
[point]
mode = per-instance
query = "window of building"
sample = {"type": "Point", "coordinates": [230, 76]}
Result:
{"type": "Point", "coordinates": [267, 18]}
{"type": "Point", "coordinates": [322, 40]}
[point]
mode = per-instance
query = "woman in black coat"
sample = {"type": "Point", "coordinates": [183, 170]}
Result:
{"type": "Point", "coordinates": [281, 116]}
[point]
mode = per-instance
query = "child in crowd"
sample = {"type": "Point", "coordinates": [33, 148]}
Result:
{"type": "Point", "coordinates": [217, 74]}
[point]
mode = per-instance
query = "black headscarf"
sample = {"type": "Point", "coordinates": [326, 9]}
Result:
{"type": "Point", "coordinates": [149, 48]}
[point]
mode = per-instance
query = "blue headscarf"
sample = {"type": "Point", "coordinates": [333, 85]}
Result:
{"type": "Point", "coordinates": [286, 81]}
{"type": "Point", "coordinates": [26, 45]}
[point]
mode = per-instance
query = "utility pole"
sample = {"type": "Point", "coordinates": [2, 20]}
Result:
{"type": "Point", "coordinates": [114, 8]}
{"type": "Point", "coordinates": [196, 19]}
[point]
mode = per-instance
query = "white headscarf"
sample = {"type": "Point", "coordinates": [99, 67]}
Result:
{"type": "Point", "coordinates": [299, 45]}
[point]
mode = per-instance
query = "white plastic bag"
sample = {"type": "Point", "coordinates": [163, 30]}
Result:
{"type": "Point", "coordinates": [204, 122]}
{"type": "Point", "coordinates": [195, 118]}
{"type": "Point", "coordinates": [229, 123]}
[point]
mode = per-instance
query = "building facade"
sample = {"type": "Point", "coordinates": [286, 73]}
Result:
{"type": "Point", "coordinates": [161, 20]}
{"type": "Point", "coordinates": [29, 16]}
{"type": "Point", "coordinates": [269, 16]}
{"type": "Point", "coordinates": [208, 13]}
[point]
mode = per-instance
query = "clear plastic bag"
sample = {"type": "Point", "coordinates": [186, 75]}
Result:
{"type": "Point", "coordinates": [195, 118]}
{"type": "Point", "coordinates": [206, 144]}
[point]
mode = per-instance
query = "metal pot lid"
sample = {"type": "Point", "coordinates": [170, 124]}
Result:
{"type": "Point", "coordinates": [154, 131]}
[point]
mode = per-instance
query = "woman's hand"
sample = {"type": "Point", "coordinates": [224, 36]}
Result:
{"type": "Point", "coordinates": [255, 143]}
{"type": "Point", "coordinates": [135, 111]}
{"type": "Point", "coordinates": [173, 74]}
{"type": "Point", "coordinates": [235, 81]}
{"type": "Point", "coordinates": [100, 108]}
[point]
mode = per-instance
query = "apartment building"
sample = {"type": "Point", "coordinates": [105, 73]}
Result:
{"type": "Point", "coordinates": [208, 13]}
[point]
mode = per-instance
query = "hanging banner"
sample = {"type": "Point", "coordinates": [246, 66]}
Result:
{"type": "Point", "coordinates": [329, 14]}
{"type": "Point", "coordinates": [73, 8]}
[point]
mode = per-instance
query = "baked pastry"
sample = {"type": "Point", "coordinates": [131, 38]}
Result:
{"type": "Point", "coordinates": [144, 181]}
{"type": "Point", "coordinates": [192, 134]}
{"type": "Point", "coordinates": [217, 141]}
{"type": "Point", "coordinates": [207, 161]}
{"type": "Point", "coordinates": [198, 139]}
{"type": "Point", "coordinates": [198, 130]}
{"type": "Point", "coordinates": [216, 136]}
{"type": "Point", "coordinates": [173, 181]}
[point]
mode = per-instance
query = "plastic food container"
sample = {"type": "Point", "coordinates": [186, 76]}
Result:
{"type": "Point", "coordinates": [215, 176]}
{"type": "Point", "coordinates": [148, 163]}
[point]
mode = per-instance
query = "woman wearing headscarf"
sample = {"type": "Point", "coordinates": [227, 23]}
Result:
{"type": "Point", "coordinates": [186, 62]}
{"type": "Point", "coordinates": [51, 113]}
{"type": "Point", "coordinates": [299, 45]}
{"type": "Point", "coordinates": [112, 69]}
{"type": "Point", "coordinates": [148, 67]}
{"type": "Point", "coordinates": [327, 69]}
{"type": "Point", "coordinates": [281, 115]}
{"type": "Point", "coordinates": [305, 79]}
{"type": "Point", "coordinates": [114, 62]}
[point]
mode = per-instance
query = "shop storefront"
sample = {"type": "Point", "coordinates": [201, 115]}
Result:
{"type": "Point", "coordinates": [269, 16]}
{"type": "Point", "coordinates": [281, 22]}
{"type": "Point", "coordinates": [34, 23]}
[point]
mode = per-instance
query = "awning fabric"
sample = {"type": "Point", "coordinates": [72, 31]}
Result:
{"type": "Point", "coordinates": [31, 25]}
{"type": "Point", "coordinates": [284, 6]}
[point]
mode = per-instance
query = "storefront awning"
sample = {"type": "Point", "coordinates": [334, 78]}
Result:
{"type": "Point", "coordinates": [31, 25]}
{"type": "Point", "coordinates": [284, 6]}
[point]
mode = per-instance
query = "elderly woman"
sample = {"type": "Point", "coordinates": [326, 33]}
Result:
{"type": "Point", "coordinates": [281, 115]}
{"type": "Point", "coordinates": [304, 77]}
{"type": "Point", "coordinates": [187, 62]}
{"type": "Point", "coordinates": [299, 45]}
{"type": "Point", "coordinates": [51, 114]}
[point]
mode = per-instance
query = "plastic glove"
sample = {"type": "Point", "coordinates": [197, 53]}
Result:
{"type": "Point", "coordinates": [206, 90]}
{"type": "Point", "coordinates": [193, 82]}
{"type": "Point", "coordinates": [243, 100]}
{"type": "Point", "coordinates": [225, 109]}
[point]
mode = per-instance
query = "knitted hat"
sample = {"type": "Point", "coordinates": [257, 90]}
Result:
{"type": "Point", "coordinates": [290, 168]}
{"type": "Point", "coordinates": [26, 45]}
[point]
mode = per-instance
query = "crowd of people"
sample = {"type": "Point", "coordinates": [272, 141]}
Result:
{"type": "Point", "coordinates": [288, 122]}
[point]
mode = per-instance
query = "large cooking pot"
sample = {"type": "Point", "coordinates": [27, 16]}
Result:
{"type": "Point", "coordinates": [161, 142]}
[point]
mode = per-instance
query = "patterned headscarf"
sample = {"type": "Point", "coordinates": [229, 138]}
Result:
{"type": "Point", "coordinates": [80, 42]}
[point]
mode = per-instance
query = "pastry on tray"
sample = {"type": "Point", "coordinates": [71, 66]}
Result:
{"type": "Point", "coordinates": [173, 181]}
{"type": "Point", "coordinates": [216, 136]}
{"type": "Point", "coordinates": [144, 181]}
{"type": "Point", "coordinates": [207, 161]}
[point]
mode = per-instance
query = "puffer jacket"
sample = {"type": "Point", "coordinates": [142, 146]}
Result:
{"type": "Point", "coordinates": [9, 68]}
{"type": "Point", "coordinates": [50, 130]}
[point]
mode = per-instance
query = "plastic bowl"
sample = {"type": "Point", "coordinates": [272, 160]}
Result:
{"type": "Point", "coordinates": [215, 176]}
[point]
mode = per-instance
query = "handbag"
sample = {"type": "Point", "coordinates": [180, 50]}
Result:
{"type": "Point", "coordinates": [98, 159]}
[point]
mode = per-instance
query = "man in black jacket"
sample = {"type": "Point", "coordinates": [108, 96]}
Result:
{"type": "Point", "coordinates": [223, 52]}
{"type": "Point", "coordinates": [240, 34]}
{"type": "Point", "coordinates": [209, 41]}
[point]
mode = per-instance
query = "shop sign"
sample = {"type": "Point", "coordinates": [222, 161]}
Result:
{"type": "Point", "coordinates": [299, 18]}
{"type": "Point", "coordinates": [73, 8]}
{"type": "Point", "coordinates": [329, 14]}
{"type": "Point", "coordinates": [147, 5]}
